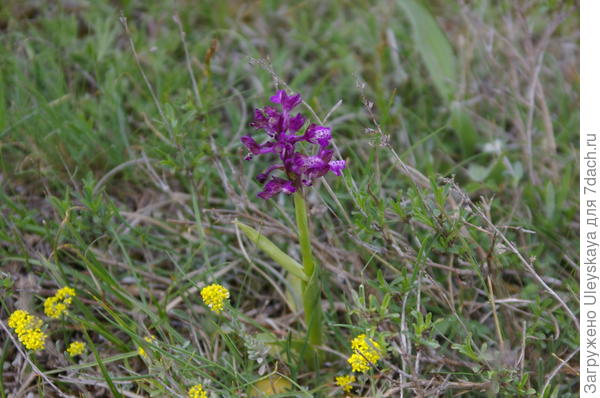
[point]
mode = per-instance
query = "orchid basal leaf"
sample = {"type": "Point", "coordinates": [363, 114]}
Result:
{"type": "Point", "coordinates": [286, 262]}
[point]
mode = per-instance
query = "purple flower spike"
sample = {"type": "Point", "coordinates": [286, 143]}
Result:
{"type": "Point", "coordinates": [281, 128]}
{"type": "Point", "coordinates": [275, 186]}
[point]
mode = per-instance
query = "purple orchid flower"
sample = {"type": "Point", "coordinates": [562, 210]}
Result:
{"type": "Point", "coordinates": [281, 128]}
{"type": "Point", "coordinates": [275, 186]}
{"type": "Point", "coordinates": [318, 135]}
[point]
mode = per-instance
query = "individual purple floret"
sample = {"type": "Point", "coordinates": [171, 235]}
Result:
{"type": "Point", "coordinates": [275, 186]}
{"type": "Point", "coordinates": [281, 128]}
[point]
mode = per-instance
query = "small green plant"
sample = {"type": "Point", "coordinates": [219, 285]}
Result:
{"type": "Point", "coordinates": [300, 171]}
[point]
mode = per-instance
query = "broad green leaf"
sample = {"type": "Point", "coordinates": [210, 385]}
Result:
{"type": "Point", "coordinates": [294, 292]}
{"type": "Point", "coordinates": [286, 262]}
{"type": "Point", "coordinates": [440, 61]}
{"type": "Point", "coordinates": [433, 46]}
{"type": "Point", "coordinates": [270, 386]}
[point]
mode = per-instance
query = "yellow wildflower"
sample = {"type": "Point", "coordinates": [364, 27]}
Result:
{"type": "Point", "coordinates": [65, 293]}
{"type": "Point", "coordinates": [345, 382]}
{"type": "Point", "coordinates": [366, 353]}
{"type": "Point", "coordinates": [358, 363]}
{"type": "Point", "coordinates": [56, 305]}
{"type": "Point", "coordinates": [149, 339]}
{"type": "Point", "coordinates": [28, 329]}
{"type": "Point", "coordinates": [21, 321]}
{"type": "Point", "coordinates": [17, 320]}
{"type": "Point", "coordinates": [214, 297]}
{"type": "Point", "coordinates": [197, 391]}
{"type": "Point", "coordinates": [76, 348]}
{"type": "Point", "coordinates": [33, 339]}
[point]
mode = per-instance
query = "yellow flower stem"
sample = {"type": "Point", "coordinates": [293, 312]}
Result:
{"type": "Point", "coordinates": [311, 287]}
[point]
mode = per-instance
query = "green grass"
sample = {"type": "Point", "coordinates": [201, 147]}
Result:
{"type": "Point", "coordinates": [460, 266]}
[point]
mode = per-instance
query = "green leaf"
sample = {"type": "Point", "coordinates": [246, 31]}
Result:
{"type": "Point", "coordinates": [466, 348]}
{"type": "Point", "coordinates": [270, 386]}
{"type": "Point", "coordinates": [463, 126]}
{"type": "Point", "coordinates": [477, 172]}
{"type": "Point", "coordinates": [286, 262]}
{"type": "Point", "coordinates": [432, 44]}
{"type": "Point", "coordinates": [550, 200]}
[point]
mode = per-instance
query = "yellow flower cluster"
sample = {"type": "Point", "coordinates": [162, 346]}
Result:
{"type": "Point", "coordinates": [345, 382]}
{"type": "Point", "coordinates": [76, 348]}
{"type": "Point", "coordinates": [366, 353]}
{"type": "Point", "coordinates": [214, 297]}
{"type": "Point", "coordinates": [28, 329]}
{"type": "Point", "coordinates": [149, 339]}
{"type": "Point", "coordinates": [197, 391]}
{"type": "Point", "coordinates": [56, 305]}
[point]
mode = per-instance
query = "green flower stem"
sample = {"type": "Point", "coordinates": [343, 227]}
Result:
{"type": "Point", "coordinates": [303, 234]}
{"type": "Point", "coordinates": [311, 288]}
